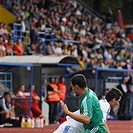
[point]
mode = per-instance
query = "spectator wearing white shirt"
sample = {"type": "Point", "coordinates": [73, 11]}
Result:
{"type": "Point", "coordinates": [6, 110]}
{"type": "Point", "coordinates": [108, 54]}
{"type": "Point", "coordinates": [58, 49]}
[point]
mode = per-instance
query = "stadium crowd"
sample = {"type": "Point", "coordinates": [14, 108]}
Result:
{"type": "Point", "coordinates": [94, 42]}
{"type": "Point", "coordinates": [100, 44]}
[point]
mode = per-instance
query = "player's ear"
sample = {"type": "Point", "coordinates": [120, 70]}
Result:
{"type": "Point", "coordinates": [77, 86]}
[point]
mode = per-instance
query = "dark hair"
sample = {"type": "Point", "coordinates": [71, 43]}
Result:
{"type": "Point", "coordinates": [79, 80]}
{"type": "Point", "coordinates": [113, 93]}
{"type": "Point", "coordinates": [6, 93]}
{"type": "Point", "coordinates": [61, 78]}
{"type": "Point", "coordinates": [30, 85]}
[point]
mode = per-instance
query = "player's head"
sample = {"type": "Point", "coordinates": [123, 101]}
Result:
{"type": "Point", "coordinates": [113, 96]}
{"type": "Point", "coordinates": [79, 80]}
{"type": "Point", "coordinates": [78, 83]}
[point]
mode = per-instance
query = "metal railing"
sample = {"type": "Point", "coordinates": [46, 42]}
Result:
{"type": "Point", "coordinates": [5, 82]}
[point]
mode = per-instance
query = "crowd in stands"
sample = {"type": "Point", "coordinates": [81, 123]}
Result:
{"type": "Point", "coordinates": [94, 42]}
{"type": "Point", "coordinates": [100, 44]}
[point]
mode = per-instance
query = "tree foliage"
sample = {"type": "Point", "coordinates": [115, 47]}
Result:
{"type": "Point", "coordinates": [126, 6]}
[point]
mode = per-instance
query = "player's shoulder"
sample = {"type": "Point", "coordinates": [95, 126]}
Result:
{"type": "Point", "coordinates": [103, 102]}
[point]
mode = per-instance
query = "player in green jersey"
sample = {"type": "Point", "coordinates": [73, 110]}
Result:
{"type": "Point", "coordinates": [90, 112]}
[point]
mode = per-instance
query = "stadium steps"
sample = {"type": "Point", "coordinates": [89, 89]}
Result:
{"type": "Point", "coordinates": [6, 17]}
{"type": "Point", "coordinates": [90, 10]}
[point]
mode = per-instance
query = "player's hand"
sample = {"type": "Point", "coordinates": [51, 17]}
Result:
{"type": "Point", "coordinates": [64, 107]}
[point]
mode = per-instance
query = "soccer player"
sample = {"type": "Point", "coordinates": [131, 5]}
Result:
{"type": "Point", "coordinates": [112, 98]}
{"type": "Point", "coordinates": [90, 113]}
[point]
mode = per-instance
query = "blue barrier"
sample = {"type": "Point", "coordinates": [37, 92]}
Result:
{"type": "Point", "coordinates": [7, 79]}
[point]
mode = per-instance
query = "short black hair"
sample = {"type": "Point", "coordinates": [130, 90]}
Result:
{"type": "Point", "coordinates": [113, 93]}
{"type": "Point", "coordinates": [79, 80]}
{"type": "Point", "coordinates": [60, 78]}
{"type": "Point", "coordinates": [6, 93]}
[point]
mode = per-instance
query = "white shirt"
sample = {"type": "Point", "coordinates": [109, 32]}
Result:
{"type": "Point", "coordinates": [73, 126]}
{"type": "Point", "coordinates": [3, 104]}
{"type": "Point", "coordinates": [105, 107]}
{"type": "Point", "coordinates": [124, 87]}
{"type": "Point", "coordinates": [70, 126]}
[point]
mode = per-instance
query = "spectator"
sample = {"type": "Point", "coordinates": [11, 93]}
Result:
{"type": "Point", "coordinates": [9, 47]}
{"type": "Point", "coordinates": [62, 94]}
{"type": "Point", "coordinates": [35, 103]}
{"type": "Point", "coordinates": [6, 110]}
{"type": "Point", "coordinates": [20, 92]}
{"type": "Point", "coordinates": [2, 47]}
{"type": "Point", "coordinates": [53, 100]}
{"type": "Point", "coordinates": [130, 83]}
{"type": "Point", "coordinates": [18, 49]}
{"type": "Point", "coordinates": [124, 104]}
{"type": "Point", "coordinates": [23, 105]}
{"type": "Point", "coordinates": [44, 89]}
{"type": "Point", "coordinates": [71, 93]}
{"type": "Point", "coordinates": [58, 48]}
{"type": "Point", "coordinates": [41, 49]}
{"type": "Point", "coordinates": [30, 49]}
{"type": "Point", "coordinates": [50, 48]}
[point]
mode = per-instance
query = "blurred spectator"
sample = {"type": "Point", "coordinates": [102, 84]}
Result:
{"type": "Point", "coordinates": [41, 49]}
{"type": "Point", "coordinates": [6, 110]}
{"type": "Point", "coordinates": [53, 100]}
{"type": "Point", "coordinates": [108, 54]}
{"type": "Point", "coordinates": [58, 48]}
{"type": "Point", "coordinates": [130, 83]}
{"type": "Point", "coordinates": [71, 93]}
{"type": "Point", "coordinates": [44, 89]}
{"type": "Point", "coordinates": [67, 49]}
{"type": "Point", "coordinates": [2, 47]}
{"type": "Point", "coordinates": [62, 94]}
{"type": "Point", "coordinates": [127, 65]}
{"type": "Point", "coordinates": [20, 92]}
{"type": "Point", "coordinates": [22, 105]}
{"type": "Point", "coordinates": [33, 34]}
{"type": "Point", "coordinates": [9, 47]}
{"type": "Point", "coordinates": [30, 49]}
{"type": "Point", "coordinates": [50, 48]}
{"type": "Point", "coordinates": [17, 48]}
{"type": "Point", "coordinates": [123, 112]}
{"type": "Point", "coordinates": [35, 103]}
{"type": "Point", "coordinates": [130, 35]}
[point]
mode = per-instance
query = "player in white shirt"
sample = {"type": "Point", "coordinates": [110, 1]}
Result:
{"type": "Point", "coordinates": [112, 98]}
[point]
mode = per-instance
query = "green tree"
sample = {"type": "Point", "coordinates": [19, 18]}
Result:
{"type": "Point", "coordinates": [126, 6]}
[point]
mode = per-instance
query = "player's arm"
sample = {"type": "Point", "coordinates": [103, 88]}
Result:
{"type": "Point", "coordinates": [78, 117]}
{"type": "Point", "coordinates": [107, 128]}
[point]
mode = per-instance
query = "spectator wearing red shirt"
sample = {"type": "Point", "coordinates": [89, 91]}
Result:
{"type": "Point", "coordinates": [23, 104]}
{"type": "Point", "coordinates": [130, 35]}
{"type": "Point", "coordinates": [9, 47]}
{"type": "Point", "coordinates": [35, 103]}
